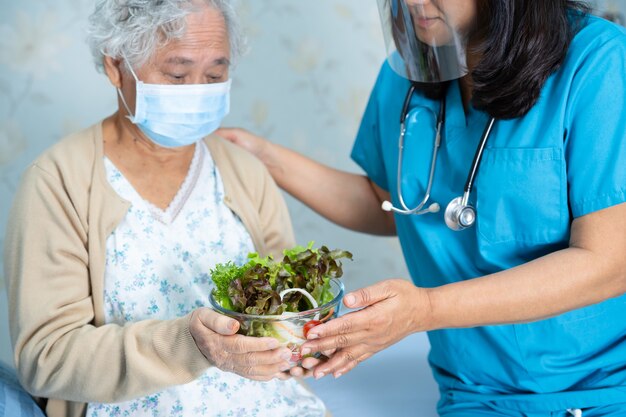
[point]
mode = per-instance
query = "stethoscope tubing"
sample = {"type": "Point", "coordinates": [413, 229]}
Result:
{"type": "Point", "coordinates": [471, 176]}
{"type": "Point", "coordinates": [440, 122]}
{"type": "Point", "coordinates": [478, 156]}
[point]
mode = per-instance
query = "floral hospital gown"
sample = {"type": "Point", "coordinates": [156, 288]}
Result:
{"type": "Point", "coordinates": [157, 267]}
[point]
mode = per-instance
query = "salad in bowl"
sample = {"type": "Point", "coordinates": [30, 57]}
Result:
{"type": "Point", "coordinates": [282, 299]}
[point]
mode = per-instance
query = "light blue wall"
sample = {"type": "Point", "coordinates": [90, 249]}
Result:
{"type": "Point", "coordinates": [304, 84]}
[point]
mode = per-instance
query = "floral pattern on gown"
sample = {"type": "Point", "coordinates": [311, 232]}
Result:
{"type": "Point", "coordinates": [157, 267]}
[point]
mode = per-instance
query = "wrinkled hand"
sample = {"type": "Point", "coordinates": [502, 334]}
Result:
{"type": "Point", "coordinates": [255, 358]}
{"type": "Point", "coordinates": [254, 144]}
{"type": "Point", "coordinates": [391, 310]}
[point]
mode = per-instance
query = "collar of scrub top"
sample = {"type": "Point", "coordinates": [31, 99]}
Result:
{"type": "Point", "coordinates": [460, 214]}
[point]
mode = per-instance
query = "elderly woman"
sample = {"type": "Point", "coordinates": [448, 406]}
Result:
{"type": "Point", "coordinates": [115, 229]}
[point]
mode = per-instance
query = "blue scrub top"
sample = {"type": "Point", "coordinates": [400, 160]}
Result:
{"type": "Point", "coordinates": [566, 158]}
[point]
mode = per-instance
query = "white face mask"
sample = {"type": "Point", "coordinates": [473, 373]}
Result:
{"type": "Point", "coordinates": [179, 115]}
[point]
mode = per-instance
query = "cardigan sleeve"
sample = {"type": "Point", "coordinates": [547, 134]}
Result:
{"type": "Point", "coordinates": [58, 352]}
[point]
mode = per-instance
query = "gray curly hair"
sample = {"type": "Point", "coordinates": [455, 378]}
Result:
{"type": "Point", "coordinates": [136, 28]}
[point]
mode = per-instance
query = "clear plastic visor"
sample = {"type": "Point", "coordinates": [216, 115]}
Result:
{"type": "Point", "coordinates": [422, 43]}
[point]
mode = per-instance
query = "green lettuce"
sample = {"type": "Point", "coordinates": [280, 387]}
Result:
{"type": "Point", "coordinates": [254, 288]}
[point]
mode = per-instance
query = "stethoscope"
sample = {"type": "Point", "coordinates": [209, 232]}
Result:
{"type": "Point", "coordinates": [459, 214]}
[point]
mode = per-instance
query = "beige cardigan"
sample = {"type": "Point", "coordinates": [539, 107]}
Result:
{"type": "Point", "coordinates": [54, 263]}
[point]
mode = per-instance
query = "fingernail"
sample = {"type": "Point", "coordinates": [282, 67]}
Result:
{"type": "Point", "coordinates": [350, 300]}
{"type": "Point", "coordinates": [285, 367]}
{"type": "Point", "coordinates": [313, 336]}
{"type": "Point", "coordinates": [319, 375]}
{"type": "Point", "coordinates": [272, 344]}
{"type": "Point", "coordinates": [286, 355]}
{"type": "Point", "coordinates": [232, 325]}
{"type": "Point", "coordinates": [338, 375]}
{"type": "Point", "coordinates": [305, 351]}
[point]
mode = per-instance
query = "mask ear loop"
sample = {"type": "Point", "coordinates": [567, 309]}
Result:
{"type": "Point", "coordinates": [119, 92]}
{"type": "Point", "coordinates": [129, 115]}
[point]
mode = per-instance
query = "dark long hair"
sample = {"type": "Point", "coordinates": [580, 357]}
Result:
{"type": "Point", "coordinates": [521, 42]}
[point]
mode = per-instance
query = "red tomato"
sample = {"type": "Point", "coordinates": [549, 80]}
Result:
{"type": "Point", "coordinates": [309, 325]}
{"type": "Point", "coordinates": [295, 357]}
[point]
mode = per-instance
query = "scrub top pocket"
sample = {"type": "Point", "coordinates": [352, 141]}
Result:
{"type": "Point", "coordinates": [519, 195]}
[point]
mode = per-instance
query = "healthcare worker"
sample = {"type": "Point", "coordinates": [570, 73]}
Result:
{"type": "Point", "coordinates": [495, 141]}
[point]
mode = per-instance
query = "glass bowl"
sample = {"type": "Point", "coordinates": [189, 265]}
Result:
{"type": "Point", "coordinates": [289, 329]}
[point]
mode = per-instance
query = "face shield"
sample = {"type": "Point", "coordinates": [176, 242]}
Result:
{"type": "Point", "coordinates": [422, 41]}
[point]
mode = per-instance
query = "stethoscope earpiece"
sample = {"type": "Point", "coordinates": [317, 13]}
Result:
{"type": "Point", "coordinates": [388, 206]}
{"type": "Point", "coordinates": [434, 208]}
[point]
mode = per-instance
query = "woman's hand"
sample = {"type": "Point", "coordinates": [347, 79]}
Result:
{"type": "Point", "coordinates": [308, 365]}
{"type": "Point", "coordinates": [391, 310]}
{"type": "Point", "coordinates": [255, 358]}
{"type": "Point", "coordinates": [254, 144]}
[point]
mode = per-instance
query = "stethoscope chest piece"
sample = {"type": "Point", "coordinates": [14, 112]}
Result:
{"type": "Point", "coordinates": [459, 215]}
